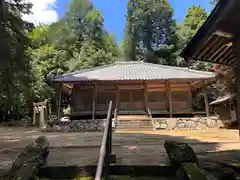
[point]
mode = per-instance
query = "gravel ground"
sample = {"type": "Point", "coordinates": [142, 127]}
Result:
{"type": "Point", "coordinates": [129, 147]}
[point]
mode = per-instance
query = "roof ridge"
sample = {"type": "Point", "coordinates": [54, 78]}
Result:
{"type": "Point", "coordinates": [180, 68]}
{"type": "Point", "coordinates": [85, 70]}
{"type": "Point", "coordinates": [128, 62]}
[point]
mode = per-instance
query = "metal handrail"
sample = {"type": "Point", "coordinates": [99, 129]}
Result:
{"type": "Point", "coordinates": [115, 118]}
{"type": "Point", "coordinates": [106, 147]}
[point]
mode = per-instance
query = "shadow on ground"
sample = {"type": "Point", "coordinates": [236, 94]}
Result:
{"type": "Point", "coordinates": [130, 148]}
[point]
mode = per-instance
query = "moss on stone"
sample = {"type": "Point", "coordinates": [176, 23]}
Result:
{"type": "Point", "coordinates": [192, 171]}
{"type": "Point", "coordinates": [84, 178]}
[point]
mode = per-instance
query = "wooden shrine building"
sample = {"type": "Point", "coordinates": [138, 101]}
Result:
{"type": "Point", "coordinates": [218, 40]}
{"type": "Point", "coordinates": [134, 87]}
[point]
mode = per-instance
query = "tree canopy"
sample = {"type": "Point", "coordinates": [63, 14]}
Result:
{"type": "Point", "coordinates": [79, 40]}
{"type": "Point", "coordinates": [150, 32]}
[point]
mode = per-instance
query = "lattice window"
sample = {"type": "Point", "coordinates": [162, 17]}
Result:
{"type": "Point", "coordinates": [137, 95]}
{"type": "Point", "coordinates": [156, 96]}
{"type": "Point", "coordinates": [180, 96]}
{"type": "Point", "coordinates": [105, 97]}
{"type": "Point", "coordinates": [132, 95]}
{"type": "Point", "coordinates": [83, 99]}
{"type": "Point", "coordinates": [125, 96]}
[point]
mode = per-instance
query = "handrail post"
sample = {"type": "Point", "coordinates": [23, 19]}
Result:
{"type": "Point", "coordinates": [106, 147]}
{"type": "Point", "coordinates": [110, 135]}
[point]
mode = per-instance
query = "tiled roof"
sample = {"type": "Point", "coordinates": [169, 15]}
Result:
{"type": "Point", "coordinates": [223, 99]}
{"type": "Point", "coordinates": [133, 70]}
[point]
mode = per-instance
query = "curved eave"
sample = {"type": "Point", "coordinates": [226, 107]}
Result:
{"type": "Point", "coordinates": [118, 80]}
{"type": "Point", "coordinates": [212, 41]}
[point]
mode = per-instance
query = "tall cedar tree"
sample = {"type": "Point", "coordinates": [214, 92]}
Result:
{"type": "Point", "coordinates": [14, 59]}
{"type": "Point", "coordinates": [150, 32]}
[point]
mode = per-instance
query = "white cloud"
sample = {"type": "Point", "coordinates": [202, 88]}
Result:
{"type": "Point", "coordinates": [43, 11]}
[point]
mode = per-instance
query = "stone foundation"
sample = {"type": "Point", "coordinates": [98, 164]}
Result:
{"type": "Point", "coordinates": [80, 126]}
{"type": "Point", "coordinates": [196, 123]}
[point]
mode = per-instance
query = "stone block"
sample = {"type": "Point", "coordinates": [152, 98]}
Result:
{"type": "Point", "coordinates": [179, 153]}
{"type": "Point", "coordinates": [221, 172]}
{"type": "Point", "coordinates": [160, 124]}
{"type": "Point", "coordinates": [28, 163]}
{"type": "Point", "coordinates": [191, 125]}
{"type": "Point", "coordinates": [211, 123]}
{"type": "Point", "coordinates": [201, 126]}
{"type": "Point", "coordinates": [220, 123]}
{"type": "Point", "coordinates": [196, 119]}
{"type": "Point", "coordinates": [214, 117]}
{"type": "Point", "coordinates": [172, 123]}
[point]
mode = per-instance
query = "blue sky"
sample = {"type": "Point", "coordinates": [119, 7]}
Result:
{"type": "Point", "coordinates": [114, 12]}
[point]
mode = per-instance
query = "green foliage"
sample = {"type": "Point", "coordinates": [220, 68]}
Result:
{"type": "Point", "coordinates": [76, 41]}
{"type": "Point", "coordinates": [14, 61]}
{"type": "Point", "coordinates": [150, 32]}
{"type": "Point", "coordinates": [185, 31]}
{"type": "Point", "coordinates": [87, 44]}
{"type": "Point", "coordinates": [194, 18]}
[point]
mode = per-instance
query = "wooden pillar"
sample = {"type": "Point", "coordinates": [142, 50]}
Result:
{"type": "Point", "coordinates": [34, 113]}
{"type": "Point", "coordinates": [205, 101]}
{"type": "Point", "coordinates": [190, 96]}
{"type": "Point", "coordinates": [59, 102]}
{"type": "Point", "coordinates": [145, 96]}
{"type": "Point", "coordinates": [94, 101]}
{"type": "Point", "coordinates": [169, 97]}
{"type": "Point", "coordinates": [236, 51]}
{"type": "Point", "coordinates": [42, 124]}
{"type": "Point", "coordinates": [117, 99]}
{"type": "Point", "coordinates": [116, 107]}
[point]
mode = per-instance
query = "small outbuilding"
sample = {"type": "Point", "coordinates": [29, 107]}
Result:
{"type": "Point", "coordinates": [225, 107]}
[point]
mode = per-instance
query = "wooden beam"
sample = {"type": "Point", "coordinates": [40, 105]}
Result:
{"type": "Point", "coordinates": [236, 51]}
{"type": "Point", "coordinates": [218, 52]}
{"type": "Point", "coordinates": [205, 100]}
{"type": "Point", "coordinates": [229, 44]}
{"type": "Point", "coordinates": [145, 96]}
{"type": "Point", "coordinates": [94, 101]}
{"type": "Point", "coordinates": [169, 97]}
{"type": "Point", "coordinates": [222, 34]}
{"type": "Point", "coordinates": [209, 45]}
{"type": "Point", "coordinates": [190, 96]}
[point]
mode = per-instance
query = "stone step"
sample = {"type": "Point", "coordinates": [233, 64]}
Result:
{"type": "Point", "coordinates": [137, 124]}
{"type": "Point", "coordinates": [133, 129]}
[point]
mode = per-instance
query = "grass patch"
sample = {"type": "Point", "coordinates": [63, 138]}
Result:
{"type": "Point", "coordinates": [125, 178]}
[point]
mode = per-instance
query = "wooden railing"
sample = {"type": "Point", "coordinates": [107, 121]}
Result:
{"type": "Point", "coordinates": [106, 147]}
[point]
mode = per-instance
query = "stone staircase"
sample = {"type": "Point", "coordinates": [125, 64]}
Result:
{"type": "Point", "coordinates": [134, 123]}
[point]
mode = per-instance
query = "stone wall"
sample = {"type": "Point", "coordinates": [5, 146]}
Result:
{"type": "Point", "coordinates": [80, 126]}
{"type": "Point", "coordinates": [196, 123]}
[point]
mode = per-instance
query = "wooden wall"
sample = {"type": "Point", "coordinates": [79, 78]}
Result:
{"type": "Point", "coordinates": [132, 97]}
